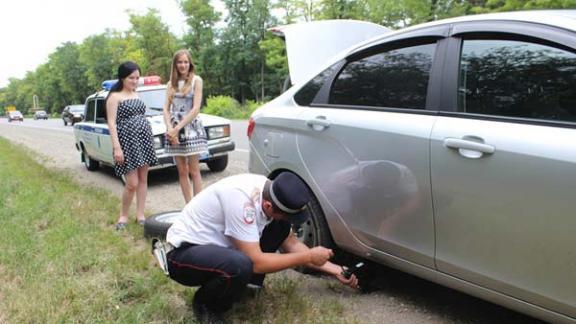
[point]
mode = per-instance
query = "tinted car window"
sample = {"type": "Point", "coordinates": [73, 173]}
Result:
{"type": "Point", "coordinates": [100, 111]}
{"type": "Point", "coordinates": [397, 78]}
{"type": "Point", "coordinates": [517, 79]}
{"type": "Point", "coordinates": [305, 96]}
{"type": "Point", "coordinates": [90, 108]}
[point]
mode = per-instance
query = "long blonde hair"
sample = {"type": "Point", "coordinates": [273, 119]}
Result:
{"type": "Point", "coordinates": [173, 82]}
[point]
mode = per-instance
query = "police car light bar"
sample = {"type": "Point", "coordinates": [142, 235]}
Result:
{"type": "Point", "coordinates": [147, 80]}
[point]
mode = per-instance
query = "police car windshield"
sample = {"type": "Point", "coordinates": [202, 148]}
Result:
{"type": "Point", "coordinates": [154, 100]}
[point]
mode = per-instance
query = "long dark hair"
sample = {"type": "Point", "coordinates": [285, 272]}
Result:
{"type": "Point", "coordinates": [124, 70]}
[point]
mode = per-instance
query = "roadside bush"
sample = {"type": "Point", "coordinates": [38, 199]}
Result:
{"type": "Point", "coordinates": [223, 106]}
{"type": "Point", "coordinates": [228, 107]}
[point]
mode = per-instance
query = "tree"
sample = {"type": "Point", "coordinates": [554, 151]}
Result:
{"type": "Point", "coordinates": [69, 74]}
{"type": "Point", "coordinates": [241, 55]}
{"type": "Point", "coordinates": [96, 55]}
{"type": "Point", "coordinates": [156, 42]}
{"type": "Point", "coordinates": [202, 18]}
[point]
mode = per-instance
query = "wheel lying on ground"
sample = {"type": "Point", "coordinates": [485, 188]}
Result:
{"type": "Point", "coordinates": [157, 225]}
{"type": "Point", "coordinates": [218, 164]}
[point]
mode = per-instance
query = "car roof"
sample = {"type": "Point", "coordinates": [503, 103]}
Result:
{"type": "Point", "coordinates": [104, 93]}
{"type": "Point", "coordinates": [565, 19]}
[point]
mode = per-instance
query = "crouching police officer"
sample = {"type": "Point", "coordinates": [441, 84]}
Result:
{"type": "Point", "coordinates": [227, 236]}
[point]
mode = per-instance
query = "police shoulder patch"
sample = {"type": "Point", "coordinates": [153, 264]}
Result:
{"type": "Point", "coordinates": [249, 214]}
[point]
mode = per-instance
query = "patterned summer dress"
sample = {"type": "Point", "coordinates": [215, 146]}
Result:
{"type": "Point", "coordinates": [192, 137]}
{"type": "Point", "coordinates": [135, 136]}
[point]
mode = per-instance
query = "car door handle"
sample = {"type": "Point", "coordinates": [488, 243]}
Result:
{"type": "Point", "coordinates": [460, 144]}
{"type": "Point", "coordinates": [319, 123]}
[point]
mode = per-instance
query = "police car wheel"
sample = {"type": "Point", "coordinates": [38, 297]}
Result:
{"type": "Point", "coordinates": [218, 164]}
{"type": "Point", "coordinates": [157, 225]}
{"type": "Point", "coordinates": [90, 163]}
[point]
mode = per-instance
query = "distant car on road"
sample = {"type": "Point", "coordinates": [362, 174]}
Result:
{"type": "Point", "coordinates": [72, 114]}
{"type": "Point", "coordinates": [93, 137]}
{"type": "Point", "coordinates": [447, 150]}
{"type": "Point", "coordinates": [15, 115]}
{"type": "Point", "coordinates": [40, 114]}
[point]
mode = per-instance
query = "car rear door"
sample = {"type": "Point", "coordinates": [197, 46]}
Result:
{"type": "Point", "coordinates": [366, 146]}
{"type": "Point", "coordinates": [503, 162]}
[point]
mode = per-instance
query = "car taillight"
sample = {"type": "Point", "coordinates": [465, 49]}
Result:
{"type": "Point", "coordinates": [250, 129]}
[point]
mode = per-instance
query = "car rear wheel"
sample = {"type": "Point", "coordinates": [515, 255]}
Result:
{"type": "Point", "coordinates": [157, 225]}
{"type": "Point", "coordinates": [65, 123]}
{"type": "Point", "coordinates": [90, 163]}
{"type": "Point", "coordinates": [315, 231]}
{"type": "Point", "coordinates": [218, 164]}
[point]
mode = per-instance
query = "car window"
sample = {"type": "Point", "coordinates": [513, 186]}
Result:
{"type": "Point", "coordinates": [395, 78]}
{"type": "Point", "coordinates": [305, 96]}
{"type": "Point", "coordinates": [100, 111]}
{"type": "Point", "coordinates": [517, 79]}
{"type": "Point", "coordinates": [77, 108]}
{"type": "Point", "coordinates": [154, 99]}
{"type": "Point", "coordinates": [90, 110]}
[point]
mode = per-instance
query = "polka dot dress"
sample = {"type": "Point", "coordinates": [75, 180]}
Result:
{"type": "Point", "coordinates": [135, 135]}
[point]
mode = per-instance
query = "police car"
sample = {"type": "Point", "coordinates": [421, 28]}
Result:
{"type": "Point", "coordinates": [95, 145]}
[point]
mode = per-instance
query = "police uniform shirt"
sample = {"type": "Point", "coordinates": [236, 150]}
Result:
{"type": "Point", "coordinates": [228, 208]}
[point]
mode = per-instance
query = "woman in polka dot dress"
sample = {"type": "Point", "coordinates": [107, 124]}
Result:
{"type": "Point", "coordinates": [186, 138]}
{"type": "Point", "coordinates": [132, 140]}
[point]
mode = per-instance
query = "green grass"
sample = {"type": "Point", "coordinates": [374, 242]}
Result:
{"type": "Point", "coordinates": [62, 261]}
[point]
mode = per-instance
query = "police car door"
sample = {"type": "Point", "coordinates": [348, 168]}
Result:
{"type": "Point", "coordinates": [102, 133]}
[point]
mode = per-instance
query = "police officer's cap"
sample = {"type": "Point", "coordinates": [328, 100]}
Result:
{"type": "Point", "coordinates": [291, 195]}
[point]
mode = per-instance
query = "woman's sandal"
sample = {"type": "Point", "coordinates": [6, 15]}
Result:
{"type": "Point", "coordinates": [120, 226]}
{"type": "Point", "coordinates": [141, 221]}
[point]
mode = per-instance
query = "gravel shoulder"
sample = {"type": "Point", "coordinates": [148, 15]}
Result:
{"type": "Point", "coordinates": [394, 297]}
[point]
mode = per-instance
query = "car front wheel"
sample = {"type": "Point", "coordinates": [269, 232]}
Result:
{"type": "Point", "coordinates": [218, 164]}
{"type": "Point", "coordinates": [65, 123]}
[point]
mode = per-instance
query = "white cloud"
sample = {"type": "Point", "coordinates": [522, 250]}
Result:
{"type": "Point", "coordinates": [32, 29]}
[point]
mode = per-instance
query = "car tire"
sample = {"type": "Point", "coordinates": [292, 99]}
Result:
{"type": "Point", "coordinates": [315, 231]}
{"type": "Point", "coordinates": [156, 226]}
{"type": "Point", "coordinates": [218, 164]}
{"type": "Point", "coordinates": [65, 123]}
{"type": "Point", "coordinates": [91, 164]}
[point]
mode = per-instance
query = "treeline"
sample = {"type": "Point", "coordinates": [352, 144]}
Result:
{"type": "Point", "coordinates": [232, 51]}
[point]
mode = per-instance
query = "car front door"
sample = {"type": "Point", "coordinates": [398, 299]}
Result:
{"type": "Point", "coordinates": [504, 164]}
{"type": "Point", "coordinates": [366, 146]}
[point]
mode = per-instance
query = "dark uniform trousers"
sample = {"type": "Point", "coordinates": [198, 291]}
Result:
{"type": "Point", "coordinates": [222, 273]}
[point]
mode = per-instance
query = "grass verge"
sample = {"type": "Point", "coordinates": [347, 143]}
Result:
{"type": "Point", "coordinates": [62, 261]}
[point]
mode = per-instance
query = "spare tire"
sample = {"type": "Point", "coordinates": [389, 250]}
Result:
{"type": "Point", "coordinates": [157, 225]}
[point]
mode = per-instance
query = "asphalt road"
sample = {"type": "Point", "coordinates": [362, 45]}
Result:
{"type": "Point", "coordinates": [394, 297]}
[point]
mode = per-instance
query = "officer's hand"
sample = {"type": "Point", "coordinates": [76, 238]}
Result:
{"type": "Point", "coordinates": [351, 282]}
{"type": "Point", "coordinates": [320, 255]}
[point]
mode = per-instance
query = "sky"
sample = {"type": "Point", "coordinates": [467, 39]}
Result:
{"type": "Point", "coordinates": [30, 30]}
